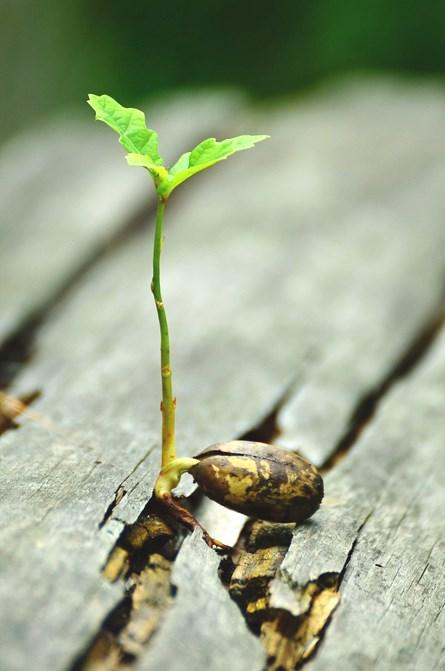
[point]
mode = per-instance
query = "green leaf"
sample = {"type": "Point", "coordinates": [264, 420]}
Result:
{"type": "Point", "coordinates": [212, 151]}
{"type": "Point", "coordinates": [181, 164]}
{"type": "Point", "coordinates": [129, 123]}
{"type": "Point", "coordinates": [204, 155]}
{"type": "Point", "coordinates": [174, 180]}
{"type": "Point", "coordinates": [142, 145]}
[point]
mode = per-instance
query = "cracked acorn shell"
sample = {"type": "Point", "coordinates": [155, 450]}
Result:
{"type": "Point", "coordinates": [259, 480]}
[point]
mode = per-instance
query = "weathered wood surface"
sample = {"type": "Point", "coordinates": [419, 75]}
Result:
{"type": "Point", "coordinates": [384, 529]}
{"type": "Point", "coordinates": [66, 193]}
{"type": "Point", "coordinates": [311, 265]}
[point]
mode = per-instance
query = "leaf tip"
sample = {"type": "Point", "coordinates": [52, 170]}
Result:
{"type": "Point", "coordinates": [92, 101]}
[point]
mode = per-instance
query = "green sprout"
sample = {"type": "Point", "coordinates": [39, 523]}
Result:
{"type": "Point", "coordinates": [141, 143]}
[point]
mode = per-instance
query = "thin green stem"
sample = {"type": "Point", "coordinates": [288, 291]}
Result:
{"type": "Point", "coordinates": [168, 404]}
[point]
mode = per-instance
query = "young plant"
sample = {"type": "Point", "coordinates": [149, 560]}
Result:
{"type": "Point", "coordinates": [254, 478]}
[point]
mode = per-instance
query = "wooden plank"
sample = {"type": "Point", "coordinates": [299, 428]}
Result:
{"type": "Point", "coordinates": [347, 271]}
{"type": "Point", "coordinates": [67, 193]}
{"type": "Point", "coordinates": [377, 177]}
{"type": "Point", "coordinates": [384, 534]}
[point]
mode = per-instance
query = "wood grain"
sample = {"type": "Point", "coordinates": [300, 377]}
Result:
{"type": "Point", "coordinates": [386, 505]}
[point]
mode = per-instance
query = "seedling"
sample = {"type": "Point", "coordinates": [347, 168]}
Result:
{"type": "Point", "coordinates": [243, 469]}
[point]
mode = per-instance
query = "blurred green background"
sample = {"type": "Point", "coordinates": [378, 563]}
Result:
{"type": "Point", "coordinates": [53, 52]}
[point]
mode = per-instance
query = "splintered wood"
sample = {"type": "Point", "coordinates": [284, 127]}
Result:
{"type": "Point", "coordinates": [287, 638]}
{"type": "Point", "coordinates": [149, 593]}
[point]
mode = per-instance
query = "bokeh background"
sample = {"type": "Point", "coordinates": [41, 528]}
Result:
{"type": "Point", "coordinates": [52, 53]}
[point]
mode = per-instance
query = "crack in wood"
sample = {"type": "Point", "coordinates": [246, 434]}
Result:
{"type": "Point", "coordinates": [268, 428]}
{"type": "Point", "coordinates": [367, 407]}
{"type": "Point", "coordinates": [142, 559]}
{"type": "Point", "coordinates": [290, 637]}
{"type": "Point", "coordinates": [17, 350]}
{"type": "Point", "coordinates": [119, 494]}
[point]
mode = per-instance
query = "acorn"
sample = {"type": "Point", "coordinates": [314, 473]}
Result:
{"type": "Point", "coordinates": [259, 480]}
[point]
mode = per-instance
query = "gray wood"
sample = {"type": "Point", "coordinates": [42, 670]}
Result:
{"type": "Point", "coordinates": [386, 526]}
{"type": "Point", "coordinates": [67, 192]}
{"type": "Point", "coordinates": [302, 274]}
{"type": "Point", "coordinates": [375, 190]}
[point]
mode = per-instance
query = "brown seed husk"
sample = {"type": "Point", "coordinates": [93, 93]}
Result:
{"type": "Point", "coordinates": [259, 480]}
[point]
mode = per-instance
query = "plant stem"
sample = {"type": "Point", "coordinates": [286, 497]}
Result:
{"type": "Point", "coordinates": [168, 404]}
